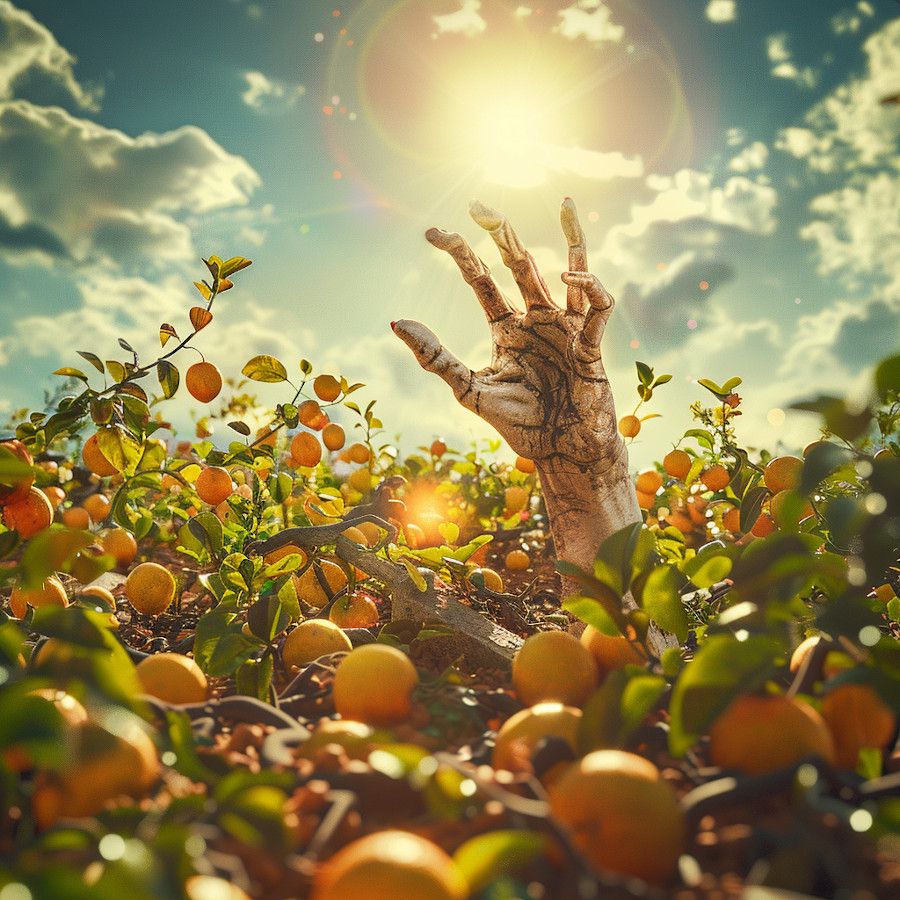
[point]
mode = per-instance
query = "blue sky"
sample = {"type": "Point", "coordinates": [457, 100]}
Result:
{"type": "Point", "coordinates": [736, 173]}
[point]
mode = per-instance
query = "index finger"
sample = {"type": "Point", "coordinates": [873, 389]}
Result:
{"type": "Point", "coordinates": [568, 217]}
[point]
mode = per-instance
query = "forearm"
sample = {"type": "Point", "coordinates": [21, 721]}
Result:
{"type": "Point", "coordinates": [586, 506]}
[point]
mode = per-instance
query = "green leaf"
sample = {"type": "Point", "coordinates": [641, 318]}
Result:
{"type": "Point", "coordinates": [713, 387]}
{"type": "Point", "coordinates": [415, 575]}
{"type": "Point", "coordinates": [449, 531]}
{"type": "Point", "coordinates": [820, 462]}
{"type": "Point", "coordinates": [207, 528]}
{"type": "Point", "coordinates": [661, 379]}
{"type": "Point", "coordinates": [116, 369]}
{"type": "Point", "coordinates": [660, 598]}
{"type": "Point", "coordinates": [710, 565]}
{"type": "Point", "coordinates": [612, 563]}
{"type": "Point", "coordinates": [887, 377]}
{"type": "Point", "coordinates": [722, 668]}
{"type": "Point", "coordinates": [488, 856]}
{"type": "Point", "coordinates": [235, 264]}
{"type": "Point", "coordinates": [839, 419]}
{"type": "Point", "coordinates": [645, 373]}
{"type": "Point", "coordinates": [168, 376]}
{"type": "Point", "coordinates": [592, 613]}
{"type": "Point", "coordinates": [120, 447]}
{"type": "Point", "coordinates": [254, 677]}
{"type": "Point", "coordinates": [701, 436]}
{"type": "Point", "coordinates": [731, 384]}
{"type": "Point", "coordinates": [751, 506]}
{"type": "Point", "coordinates": [265, 368]}
{"type": "Point", "coordinates": [92, 358]}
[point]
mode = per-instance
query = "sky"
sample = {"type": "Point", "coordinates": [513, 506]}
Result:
{"type": "Point", "coordinates": [736, 173]}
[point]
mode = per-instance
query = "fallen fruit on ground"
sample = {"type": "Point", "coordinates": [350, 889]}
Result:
{"type": "Point", "coordinates": [760, 733]}
{"type": "Point", "coordinates": [173, 678]}
{"type": "Point", "coordinates": [203, 381]}
{"type": "Point", "coordinates": [515, 499]}
{"type": "Point", "coordinates": [311, 639]}
{"type": "Point", "coordinates": [492, 579]}
{"type": "Point", "coordinates": [77, 517]}
{"type": "Point", "coordinates": [121, 544]}
{"type": "Point", "coordinates": [390, 865]}
{"type": "Point", "coordinates": [29, 516]}
{"type": "Point", "coordinates": [355, 738]}
{"type": "Point", "coordinates": [214, 485]}
{"type": "Point", "coordinates": [517, 560]}
{"type": "Point", "coordinates": [521, 732]}
{"type": "Point", "coordinates": [150, 588]}
{"type": "Point", "coordinates": [610, 651]}
{"type": "Point", "coordinates": [554, 665]}
{"type": "Point", "coordinates": [857, 717]}
{"type": "Point", "coordinates": [374, 684]}
{"type": "Point", "coordinates": [49, 593]}
{"type": "Point", "coordinates": [98, 506]}
{"type": "Point", "coordinates": [622, 815]}
{"type": "Point", "coordinates": [210, 887]}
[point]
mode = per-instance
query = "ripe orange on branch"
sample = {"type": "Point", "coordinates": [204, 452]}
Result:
{"type": "Point", "coordinates": [49, 593]}
{"type": "Point", "coordinates": [326, 388]}
{"type": "Point", "coordinates": [629, 426]}
{"type": "Point", "coordinates": [150, 588]}
{"type": "Point", "coordinates": [857, 718]}
{"type": "Point", "coordinates": [783, 473]}
{"type": "Point", "coordinates": [98, 506]}
{"type": "Point", "coordinates": [213, 485]}
{"type": "Point", "coordinates": [305, 449]}
{"type": "Point", "coordinates": [715, 477]}
{"type": "Point", "coordinates": [29, 516]}
{"type": "Point", "coordinates": [93, 458]}
{"type": "Point", "coordinates": [677, 464]}
{"type": "Point", "coordinates": [203, 381]}
{"type": "Point", "coordinates": [610, 652]}
{"type": "Point", "coordinates": [120, 544]}
{"type": "Point", "coordinates": [14, 488]}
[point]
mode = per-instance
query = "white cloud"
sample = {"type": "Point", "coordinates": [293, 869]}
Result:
{"type": "Point", "coordinates": [849, 21]}
{"type": "Point", "coordinates": [72, 188]}
{"type": "Point", "coordinates": [466, 20]}
{"type": "Point", "coordinates": [720, 11]}
{"type": "Point", "coordinates": [589, 19]}
{"type": "Point", "coordinates": [783, 65]}
{"type": "Point", "coordinates": [750, 158]}
{"type": "Point", "coordinates": [34, 67]}
{"type": "Point", "coordinates": [523, 12]}
{"type": "Point", "coordinates": [263, 92]}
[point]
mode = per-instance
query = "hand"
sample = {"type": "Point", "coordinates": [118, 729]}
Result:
{"type": "Point", "coordinates": [545, 391]}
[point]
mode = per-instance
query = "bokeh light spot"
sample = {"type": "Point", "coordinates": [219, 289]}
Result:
{"type": "Point", "coordinates": [337, 174]}
{"type": "Point", "coordinates": [593, 216]}
{"type": "Point", "coordinates": [869, 635]}
{"type": "Point", "coordinates": [634, 345]}
{"type": "Point", "coordinates": [660, 267]}
{"type": "Point", "coordinates": [797, 300]}
{"type": "Point", "coordinates": [691, 324]}
{"type": "Point", "coordinates": [328, 110]}
{"type": "Point", "coordinates": [776, 416]}
{"type": "Point", "coordinates": [111, 846]}
{"type": "Point", "coordinates": [336, 13]}
{"type": "Point", "coordinates": [704, 285]}
{"type": "Point", "coordinates": [861, 820]}
{"type": "Point", "coordinates": [304, 228]}
{"type": "Point", "coordinates": [318, 37]}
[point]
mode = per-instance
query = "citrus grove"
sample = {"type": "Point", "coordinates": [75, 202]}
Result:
{"type": "Point", "coordinates": [213, 686]}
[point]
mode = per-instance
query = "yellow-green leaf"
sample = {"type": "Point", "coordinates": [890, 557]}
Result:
{"type": "Point", "coordinates": [265, 368]}
{"type": "Point", "coordinates": [166, 331]}
{"type": "Point", "coordinates": [200, 317]}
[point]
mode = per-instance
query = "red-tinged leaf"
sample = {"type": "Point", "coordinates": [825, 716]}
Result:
{"type": "Point", "coordinates": [92, 358]}
{"type": "Point", "coordinates": [166, 331]}
{"type": "Point", "coordinates": [235, 264]}
{"type": "Point", "coordinates": [135, 390]}
{"type": "Point", "coordinates": [224, 285]}
{"type": "Point", "coordinates": [200, 317]}
{"type": "Point", "coordinates": [204, 289]}
{"type": "Point", "coordinates": [214, 264]}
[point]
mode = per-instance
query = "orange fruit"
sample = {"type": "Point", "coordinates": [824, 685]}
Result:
{"type": "Point", "coordinates": [526, 466]}
{"type": "Point", "coordinates": [203, 381]}
{"type": "Point", "coordinates": [54, 494]}
{"type": "Point", "coordinates": [309, 589]}
{"type": "Point", "coordinates": [763, 526]}
{"type": "Point", "coordinates": [99, 767]}
{"type": "Point", "coordinates": [120, 544]}
{"type": "Point", "coordinates": [390, 865]}
{"type": "Point", "coordinates": [857, 717]}
{"type": "Point", "coordinates": [517, 560]}
{"type": "Point", "coordinates": [17, 757]}
{"type": "Point", "coordinates": [94, 459]}
{"type": "Point", "coordinates": [776, 508]}
{"type": "Point", "coordinates": [305, 449]}
{"type": "Point", "coordinates": [77, 517]}
{"type": "Point", "coordinates": [310, 414]}
{"type": "Point", "coordinates": [14, 488]}
{"type": "Point", "coordinates": [677, 463]}
{"type": "Point", "coordinates": [150, 588]}
{"type": "Point", "coordinates": [610, 651]}
{"type": "Point", "coordinates": [356, 738]}
{"type": "Point", "coordinates": [622, 815]}
{"type": "Point", "coordinates": [357, 610]}
{"type": "Point", "coordinates": [629, 426]}
{"type": "Point", "coordinates": [715, 477]}
{"type": "Point", "coordinates": [649, 481]}
{"type": "Point", "coordinates": [211, 887]}
{"type": "Point", "coordinates": [374, 684]}
{"type": "Point", "coordinates": [520, 733]}
{"type": "Point", "coordinates": [515, 499]}
{"type": "Point", "coordinates": [311, 639]}
{"type": "Point", "coordinates": [359, 453]}
{"type": "Point", "coordinates": [273, 556]}
{"type": "Point", "coordinates": [333, 436]}
{"type": "Point", "coordinates": [438, 449]}
{"type": "Point", "coordinates": [783, 473]}
{"type": "Point", "coordinates": [214, 485]}
{"type": "Point", "coordinates": [361, 479]}
{"type": "Point", "coordinates": [372, 532]}
{"type": "Point", "coordinates": [326, 388]}
{"type": "Point", "coordinates": [29, 516]}
{"type": "Point", "coordinates": [49, 593]}
{"type": "Point", "coordinates": [731, 521]}
{"type": "Point", "coordinates": [761, 733]}
{"type": "Point", "coordinates": [173, 678]}
{"type": "Point", "coordinates": [554, 665]}
{"type": "Point", "coordinates": [492, 579]}
{"type": "Point", "coordinates": [680, 519]}
{"type": "Point", "coordinates": [645, 501]}
{"type": "Point", "coordinates": [98, 506]}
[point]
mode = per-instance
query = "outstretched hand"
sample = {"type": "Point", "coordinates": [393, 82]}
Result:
{"type": "Point", "coordinates": [546, 390]}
